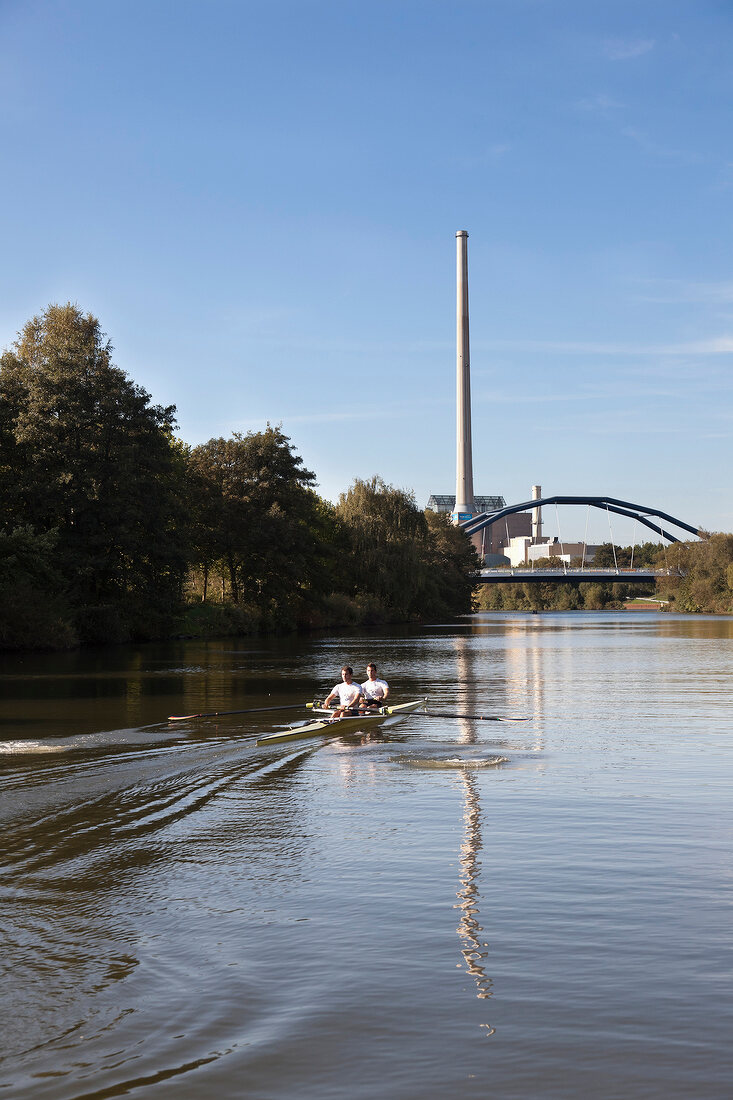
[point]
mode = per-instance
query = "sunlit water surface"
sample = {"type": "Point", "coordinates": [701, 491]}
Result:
{"type": "Point", "coordinates": [442, 907]}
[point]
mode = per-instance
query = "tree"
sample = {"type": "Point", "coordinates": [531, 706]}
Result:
{"type": "Point", "coordinates": [92, 459]}
{"type": "Point", "coordinates": [386, 533]}
{"type": "Point", "coordinates": [412, 564]}
{"type": "Point", "coordinates": [453, 562]}
{"type": "Point", "coordinates": [704, 573]}
{"type": "Point", "coordinates": [35, 611]}
{"type": "Point", "coordinates": [256, 515]}
{"type": "Point", "coordinates": [609, 557]}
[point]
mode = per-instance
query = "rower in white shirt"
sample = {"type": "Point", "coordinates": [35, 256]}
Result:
{"type": "Point", "coordinates": [348, 693]}
{"type": "Point", "coordinates": [374, 690]}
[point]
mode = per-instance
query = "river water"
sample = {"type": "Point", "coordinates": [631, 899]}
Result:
{"type": "Point", "coordinates": [441, 907]}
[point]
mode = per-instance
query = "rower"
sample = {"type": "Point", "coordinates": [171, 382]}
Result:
{"type": "Point", "coordinates": [348, 692]}
{"type": "Point", "coordinates": [374, 691]}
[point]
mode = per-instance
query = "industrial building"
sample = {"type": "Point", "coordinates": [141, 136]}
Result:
{"type": "Point", "coordinates": [492, 543]}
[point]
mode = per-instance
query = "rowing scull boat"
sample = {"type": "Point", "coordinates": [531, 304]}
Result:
{"type": "Point", "coordinates": [336, 727]}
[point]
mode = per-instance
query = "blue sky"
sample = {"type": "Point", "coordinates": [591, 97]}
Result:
{"type": "Point", "coordinates": [259, 202]}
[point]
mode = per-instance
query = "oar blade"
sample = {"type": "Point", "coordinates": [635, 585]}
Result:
{"type": "Point", "coordinates": [476, 717]}
{"type": "Point", "coordinates": [223, 713]}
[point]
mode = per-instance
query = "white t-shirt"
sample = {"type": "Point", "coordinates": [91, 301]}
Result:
{"type": "Point", "coordinates": [348, 693]}
{"type": "Point", "coordinates": [375, 689]}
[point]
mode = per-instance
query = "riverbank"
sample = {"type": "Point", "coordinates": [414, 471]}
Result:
{"type": "Point", "coordinates": [645, 603]}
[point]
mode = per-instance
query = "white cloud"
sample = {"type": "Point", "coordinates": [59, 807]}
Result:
{"type": "Point", "coordinates": [625, 386]}
{"type": "Point", "coordinates": [654, 149]}
{"type": "Point", "coordinates": [716, 345]}
{"type": "Point", "coordinates": [600, 103]}
{"type": "Point", "coordinates": [334, 416]}
{"type": "Point", "coordinates": [713, 345]}
{"type": "Point", "coordinates": [724, 178]}
{"type": "Point", "coordinates": [674, 291]}
{"type": "Point", "coordinates": [489, 155]}
{"type": "Point", "coordinates": [623, 49]}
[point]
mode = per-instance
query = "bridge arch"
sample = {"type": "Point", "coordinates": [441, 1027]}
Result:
{"type": "Point", "coordinates": [610, 504]}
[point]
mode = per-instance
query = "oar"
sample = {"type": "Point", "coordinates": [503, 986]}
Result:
{"type": "Point", "coordinates": [476, 717]}
{"type": "Point", "coordinates": [221, 713]}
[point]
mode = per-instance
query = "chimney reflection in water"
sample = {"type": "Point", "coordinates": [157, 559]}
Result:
{"type": "Point", "coordinates": [481, 673]}
{"type": "Point", "coordinates": [473, 950]}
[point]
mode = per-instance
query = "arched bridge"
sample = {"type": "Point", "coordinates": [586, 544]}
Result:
{"type": "Point", "coordinates": [638, 512]}
{"type": "Point", "coordinates": [607, 504]}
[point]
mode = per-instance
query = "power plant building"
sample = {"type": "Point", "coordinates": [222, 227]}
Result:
{"type": "Point", "coordinates": [440, 502]}
{"type": "Point", "coordinates": [492, 540]}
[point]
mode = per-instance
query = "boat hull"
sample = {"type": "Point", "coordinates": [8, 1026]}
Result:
{"type": "Point", "coordinates": [337, 727]}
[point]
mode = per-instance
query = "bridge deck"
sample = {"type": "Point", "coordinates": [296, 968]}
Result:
{"type": "Point", "coordinates": [508, 575]}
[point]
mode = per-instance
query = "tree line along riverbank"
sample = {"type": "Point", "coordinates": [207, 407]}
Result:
{"type": "Point", "coordinates": [113, 529]}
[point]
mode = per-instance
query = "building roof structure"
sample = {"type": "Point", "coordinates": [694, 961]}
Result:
{"type": "Point", "coordinates": [441, 502]}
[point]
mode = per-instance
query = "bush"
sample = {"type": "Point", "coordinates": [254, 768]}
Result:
{"type": "Point", "coordinates": [210, 620]}
{"type": "Point", "coordinates": [705, 570]}
{"type": "Point", "coordinates": [31, 619]}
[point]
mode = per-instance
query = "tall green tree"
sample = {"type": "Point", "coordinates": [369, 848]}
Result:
{"type": "Point", "coordinates": [34, 611]}
{"type": "Point", "coordinates": [704, 574]}
{"type": "Point", "coordinates": [85, 453]}
{"type": "Point", "coordinates": [453, 560]}
{"type": "Point", "coordinates": [413, 562]}
{"type": "Point", "coordinates": [388, 537]}
{"type": "Point", "coordinates": [257, 516]}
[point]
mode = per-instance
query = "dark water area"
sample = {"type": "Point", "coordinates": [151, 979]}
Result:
{"type": "Point", "coordinates": [434, 908]}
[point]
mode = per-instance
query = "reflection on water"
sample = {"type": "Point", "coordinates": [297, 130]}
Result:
{"type": "Point", "coordinates": [474, 949]}
{"type": "Point", "coordinates": [466, 675]}
{"type": "Point", "coordinates": [524, 666]}
{"type": "Point", "coordinates": [512, 684]}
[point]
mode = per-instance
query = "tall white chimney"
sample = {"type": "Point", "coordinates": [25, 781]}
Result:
{"type": "Point", "coordinates": [536, 516]}
{"type": "Point", "coordinates": [464, 454]}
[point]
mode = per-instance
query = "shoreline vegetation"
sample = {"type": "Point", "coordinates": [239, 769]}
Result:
{"type": "Point", "coordinates": [700, 581]}
{"type": "Point", "coordinates": [113, 529]}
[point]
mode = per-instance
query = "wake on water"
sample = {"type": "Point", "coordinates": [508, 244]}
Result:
{"type": "Point", "coordinates": [450, 762]}
{"type": "Point", "coordinates": [102, 739]}
{"type": "Point", "coordinates": [31, 746]}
